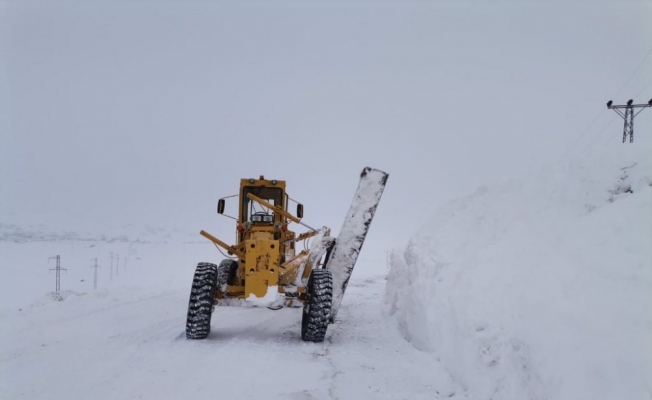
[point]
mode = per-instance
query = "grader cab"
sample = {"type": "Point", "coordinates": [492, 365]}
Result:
{"type": "Point", "coordinates": [265, 266]}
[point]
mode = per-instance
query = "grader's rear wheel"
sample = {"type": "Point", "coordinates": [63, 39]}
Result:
{"type": "Point", "coordinates": [200, 306]}
{"type": "Point", "coordinates": [317, 306]}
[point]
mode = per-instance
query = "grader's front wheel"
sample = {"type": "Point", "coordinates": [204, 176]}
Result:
{"type": "Point", "coordinates": [317, 306]}
{"type": "Point", "coordinates": [200, 306]}
{"type": "Point", "coordinates": [226, 273]}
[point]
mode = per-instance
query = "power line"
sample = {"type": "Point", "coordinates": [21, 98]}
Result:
{"type": "Point", "coordinates": [633, 73]}
{"type": "Point", "coordinates": [604, 129]}
{"type": "Point", "coordinates": [581, 135]}
{"type": "Point", "coordinates": [644, 89]}
{"type": "Point", "coordinates": [597, 117]}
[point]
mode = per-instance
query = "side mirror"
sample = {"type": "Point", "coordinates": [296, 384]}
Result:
{"type": "Point", "coordinates": [220, 206]}
{"type": "Point", "coordinates": [299, 210]}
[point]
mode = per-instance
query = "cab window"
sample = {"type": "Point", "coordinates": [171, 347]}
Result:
{"type": "Point", "coordinates": [269, 194]}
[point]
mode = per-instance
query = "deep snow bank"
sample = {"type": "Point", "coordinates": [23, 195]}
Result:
{"type": "Point", "coordinates": [539, 288]}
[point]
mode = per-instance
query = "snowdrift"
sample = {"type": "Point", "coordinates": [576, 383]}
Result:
{"type": "Point", "coordinates": [539, 288]}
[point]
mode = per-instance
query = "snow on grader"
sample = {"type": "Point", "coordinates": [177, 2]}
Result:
{"type": "Point", "coordinates": [264, 268]}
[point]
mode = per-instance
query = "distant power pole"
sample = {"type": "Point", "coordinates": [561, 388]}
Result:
{"type": "Point", "coordinates": [58, 270]}
{"type": "Point", "coordinates": [387, 258]}
{"type": "Point", "coordinates": [130, 252]}
{"type": "Point", "coordinates": [95, 273]}
{"type": "Point", "coordinates": [628, 116]}
{"type": "Point", "coordinates": [111, 270]}
{"type": "Point", "coordinates": [117, 264]}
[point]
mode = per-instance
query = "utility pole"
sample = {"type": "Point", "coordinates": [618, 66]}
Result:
{"type": "Point", "coordinates": [131, 251]}
{"type": "Point", "coordinates": [111, 270]}
{"type": "Point", "coordinates": [58, 270]}
{"type": "Point", "coordinates": [629, 115]}
{"type": "Point", "coordinates": [387, 258]}
{"type": "Point", "coordinates": [95, 273]}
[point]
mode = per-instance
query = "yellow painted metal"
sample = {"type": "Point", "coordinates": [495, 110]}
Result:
{"type": "Point", "coordinates": [261, 182]}
{"type": "Point", "coordinates": [261, 264]}
{"type": "Point", "coordinates": [307, 269]}
{"type": "Point", "coordinates": [220, 243]}
{"type": "Point", "coordinates": [306, 235]}
{"type": "Point", "coordinates": [235, 289]}
{"type": "Point", "coordinates": [232, 292]}
{"type": "Point", "coordinates": [276, 209]}
{"type": "Point", "coordinates": [267, 258]}
{"type": "Point", "coordinates": [289, 270]}
{"type": "Point", "coordinates": [309, 264]}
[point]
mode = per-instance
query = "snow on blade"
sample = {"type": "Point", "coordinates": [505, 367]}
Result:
{"type": "Point", "coordinates": [353, 232]}
{"type": "Point", "coordinates": [320, 245]}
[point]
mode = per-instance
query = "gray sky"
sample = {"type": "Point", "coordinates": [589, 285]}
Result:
{"type": "Point", "coordinates": [150, 111]}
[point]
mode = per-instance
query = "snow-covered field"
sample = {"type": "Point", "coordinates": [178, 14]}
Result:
{"type": "Point", "coordinates": [127, 339]}
{"type": "Point", "coordinates": [538, 288]}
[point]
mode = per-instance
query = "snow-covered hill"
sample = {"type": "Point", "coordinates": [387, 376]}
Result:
{"type": "Point", "coordinates": [36, 227]}
{"type": "Point", "coordinates": [538, 288]}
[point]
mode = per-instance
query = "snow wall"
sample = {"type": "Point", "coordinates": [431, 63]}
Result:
{"type": "Point", "coordinates": [539, 288]}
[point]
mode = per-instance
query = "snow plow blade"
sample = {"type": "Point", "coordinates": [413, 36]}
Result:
{"type": "Point", "coordinates": [354, 230]}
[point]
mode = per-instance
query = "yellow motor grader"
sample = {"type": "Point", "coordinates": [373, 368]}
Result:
{"type": "Point", "coordinates": [265, 267]}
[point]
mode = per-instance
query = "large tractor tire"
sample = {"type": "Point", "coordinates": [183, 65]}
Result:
{"type": "Point", "coordinates": [317, 306]}
{"type": "Point", "coordinates": [226, 274]}
{"type": "Point", "coordinates": [200, 306]}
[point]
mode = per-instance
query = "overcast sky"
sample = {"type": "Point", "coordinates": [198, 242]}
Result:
{"type": "Point", "coordinates": [150, 111]}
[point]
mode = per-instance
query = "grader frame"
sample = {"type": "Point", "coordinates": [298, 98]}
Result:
{"type": "Point", "coordinates": [263, 267]}
{"type": "Point", "coordinates": [266, 250]}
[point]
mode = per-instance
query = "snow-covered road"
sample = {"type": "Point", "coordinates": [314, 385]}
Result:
{"type": "Point", "coordinates": [131, 345]}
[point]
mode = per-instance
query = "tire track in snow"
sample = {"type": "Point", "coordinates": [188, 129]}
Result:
{"type": "Point", "coordinates": [370, 359]}
{"type": "Point", "coordinates": [137, 348]}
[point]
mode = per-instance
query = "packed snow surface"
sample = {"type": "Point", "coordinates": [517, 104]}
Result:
{"type": "Point", "coordinates": [538, 288]}
{"type": "Point", "coordinates": [126, 340]}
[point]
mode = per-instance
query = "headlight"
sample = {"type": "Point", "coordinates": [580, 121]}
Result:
{"type": "Point", "coordinates": [262, 218]}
